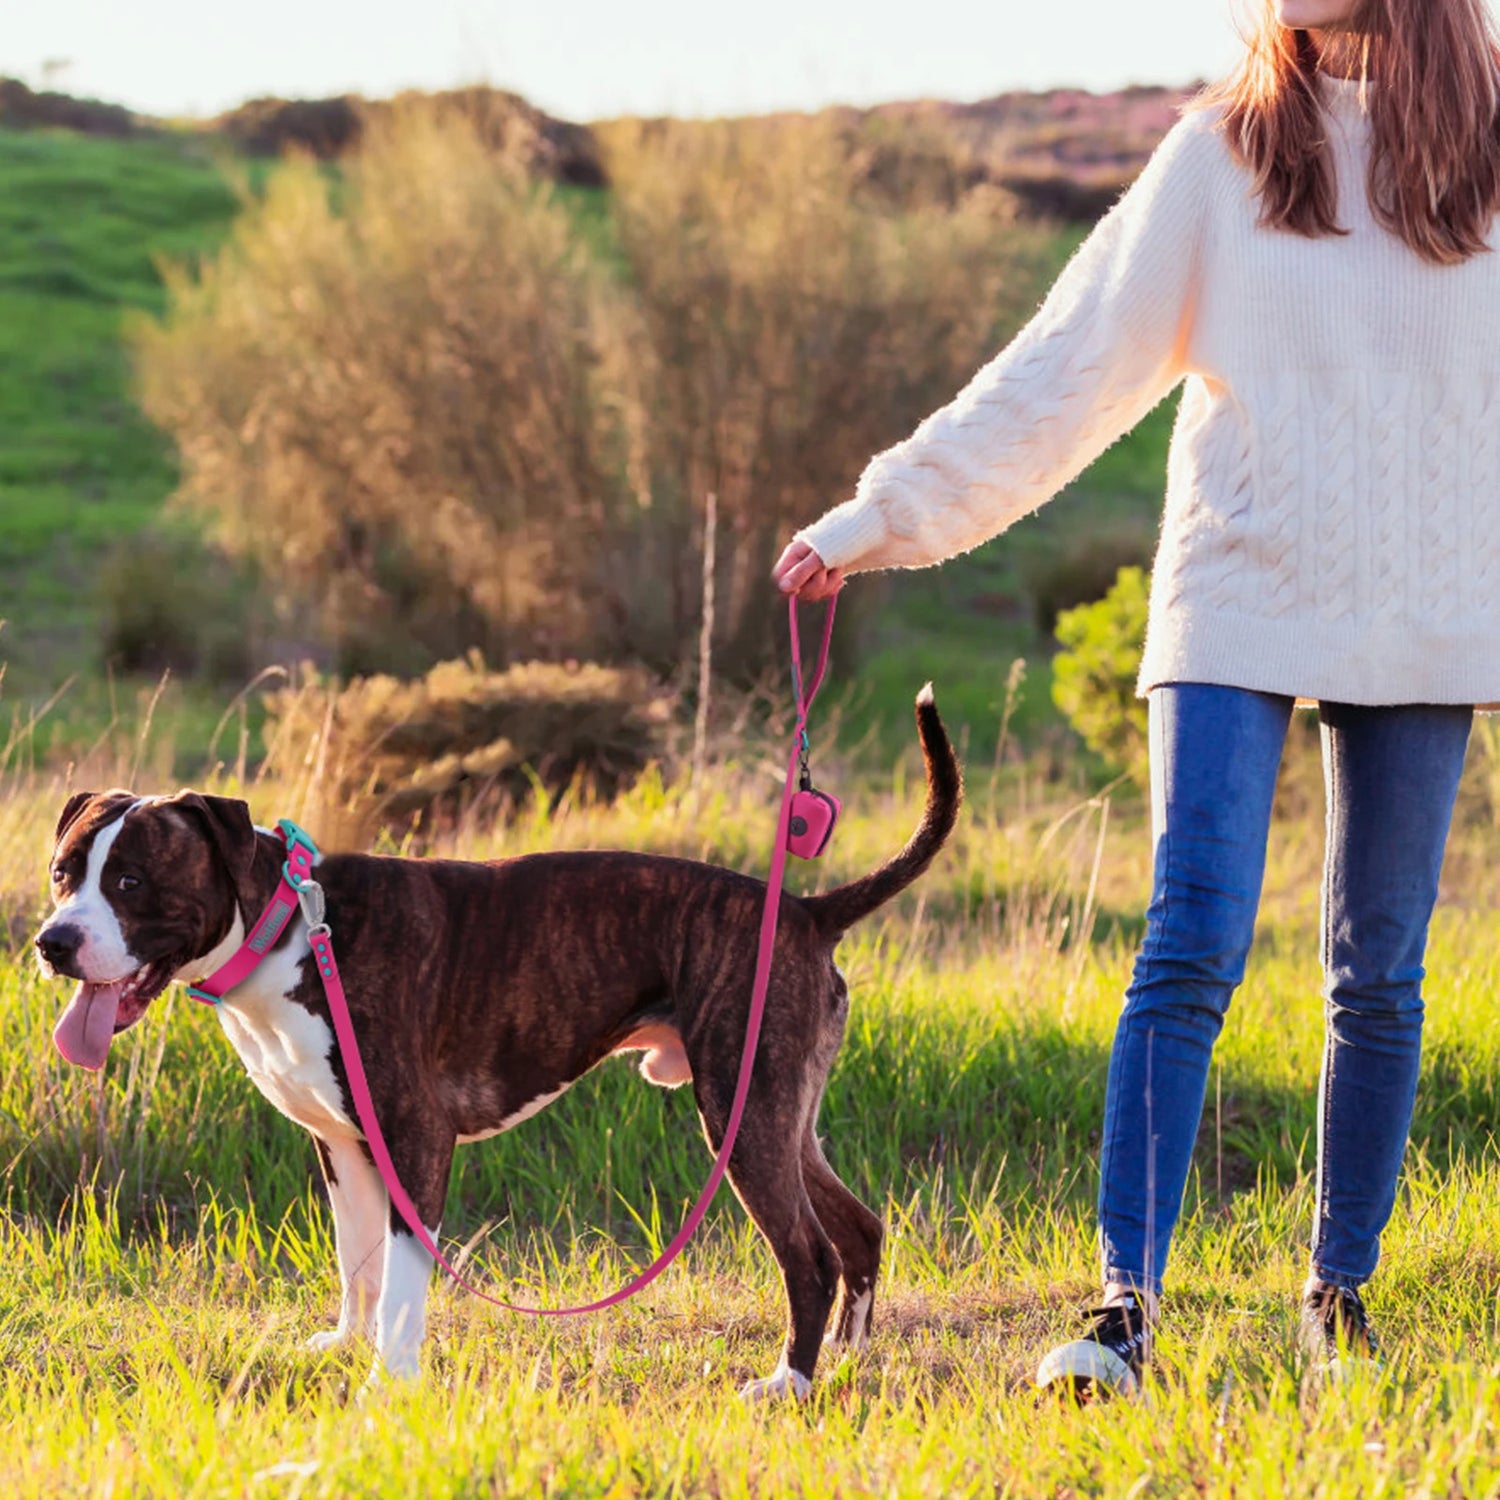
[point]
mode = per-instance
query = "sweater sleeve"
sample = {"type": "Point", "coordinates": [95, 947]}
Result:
{"type": "Point", "coordinates": [1107, 344]}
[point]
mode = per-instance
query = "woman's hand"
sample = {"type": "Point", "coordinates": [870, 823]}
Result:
{"type": "Point", "coordinates": [800, 571]}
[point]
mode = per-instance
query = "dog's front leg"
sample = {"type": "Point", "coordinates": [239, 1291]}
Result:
{"type": "Point", "coordinates": [401, 1316]}
{"type": "Point", "coordinates": [360, 1207]}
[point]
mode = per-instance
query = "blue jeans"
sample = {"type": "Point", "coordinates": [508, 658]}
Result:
{"type": "Point", "coordinates": [1391, 775]}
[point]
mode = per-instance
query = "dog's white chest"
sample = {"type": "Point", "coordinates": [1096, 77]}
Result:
{"type": "Point", "coordinates": [285, 1048]}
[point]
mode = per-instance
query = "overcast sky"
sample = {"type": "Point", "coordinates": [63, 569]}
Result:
{"type": "Point", "coordinates": [589, 59]}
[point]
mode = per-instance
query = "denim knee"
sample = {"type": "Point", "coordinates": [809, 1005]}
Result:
{"type": "Point", "coordinates": [1373, 965]}
{"type": "Point", "coordinates": [1374, 996]}
{"type": "Point", "coordinates": [1198, 934]}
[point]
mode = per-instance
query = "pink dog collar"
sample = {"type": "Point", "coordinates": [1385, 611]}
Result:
{"type": "Point", "coordinates": [295, 869]}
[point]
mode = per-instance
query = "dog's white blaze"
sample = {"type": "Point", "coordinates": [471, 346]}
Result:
{"type": "Point", "coordinates": [103, 954]}
{"type": "Point", "coordinates": [285, 1048]}
{"type": "Point", "coordinates": [531, 1107]}
{"type": "Point", "coordinates": [401, 1322]}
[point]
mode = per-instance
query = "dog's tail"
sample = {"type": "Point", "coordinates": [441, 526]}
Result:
{"type": "Point", "coordinates": [837, 910]}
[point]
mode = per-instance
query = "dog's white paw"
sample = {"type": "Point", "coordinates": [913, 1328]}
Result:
{"type": "Point", "coordinates": [329, 1339]}
{"type": "Point", "coordinates": [781, 1382]}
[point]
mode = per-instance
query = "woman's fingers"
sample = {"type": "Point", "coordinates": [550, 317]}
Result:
{"type": "Point", "coordinates": [800, 571]}
{"type": "Point", "coordinates": [796, 564]}
{"type": "Point", "coordinates": [822, 585]}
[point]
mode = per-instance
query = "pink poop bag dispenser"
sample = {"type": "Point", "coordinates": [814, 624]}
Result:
{"type": "Point", "coordinates": [813, 814]}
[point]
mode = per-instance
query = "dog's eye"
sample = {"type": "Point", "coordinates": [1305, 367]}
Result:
{"type": "Point", "coordinates": [127, 883]}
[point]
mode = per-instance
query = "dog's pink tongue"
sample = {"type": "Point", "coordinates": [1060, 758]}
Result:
{"type": "Point", "coordinates": [87, 1026]}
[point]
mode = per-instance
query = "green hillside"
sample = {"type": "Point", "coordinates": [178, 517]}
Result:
{"type": "Point", "coordinates": [83, 222]}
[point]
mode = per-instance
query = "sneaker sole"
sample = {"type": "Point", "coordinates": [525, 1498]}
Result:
{"type": "Point", "coordinates": [1086, 1364]}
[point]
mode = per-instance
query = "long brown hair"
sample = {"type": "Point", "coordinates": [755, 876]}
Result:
{"type": "Point", "coordinates": [1434, 72]}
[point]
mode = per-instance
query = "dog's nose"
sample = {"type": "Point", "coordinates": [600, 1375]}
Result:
{"type": "Point", "coordinates": [59, 947]}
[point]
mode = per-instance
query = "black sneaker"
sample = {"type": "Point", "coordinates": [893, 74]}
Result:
{"type": "Point", "coordinates": [1109, 1360]}
{"type": "Point", "coordinates": [1335, 1330]}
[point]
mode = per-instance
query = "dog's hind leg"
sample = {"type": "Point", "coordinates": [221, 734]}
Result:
{"type": "Point", "coordinates": [856, 1233]}
{"type": "Point", "coordinates": [809, 1271]}
{"type": "Point", "coordinates": [765, 1171]}
{"type": "Point", "coordinates": [359, 1205]}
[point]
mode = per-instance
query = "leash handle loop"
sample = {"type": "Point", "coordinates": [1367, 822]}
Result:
{"type": "Point", "coordinates": [364, 1104]}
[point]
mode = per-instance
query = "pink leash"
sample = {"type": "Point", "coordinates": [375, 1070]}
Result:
{"type": "Point", "coordinates": [298, 888]}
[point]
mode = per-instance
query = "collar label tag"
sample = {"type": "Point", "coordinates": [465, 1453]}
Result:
{"type": "Point", "coordinates": [270, 926]}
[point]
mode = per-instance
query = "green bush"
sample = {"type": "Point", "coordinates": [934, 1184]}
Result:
{"type": "Point", "coordinates": [1080, 566]}
{"type": "Point", "coordinates": [1094, 676]}
{"type": "Point", "coordinates": [169, 603]}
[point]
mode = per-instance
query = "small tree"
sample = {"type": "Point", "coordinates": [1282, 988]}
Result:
{"type": "Point", "coordinates": [1094, 676]}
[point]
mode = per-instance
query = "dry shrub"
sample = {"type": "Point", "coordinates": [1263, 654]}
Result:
{"type": "Point", "coordinates": [542, 145]}
{"type": "Point", "coordinates": [1070, 197]}
{"type": "Point", "coordinates": [381, 753]}
{"type": "Point", "coordinates": [443, 411]}
{"type": "Point", "coordinates": [794, 319]}
{"type": "Point", "coordinates": [22, 108]}
{"type": "Point", "coordinates": [382, 390]}
{"type": "Point", "coordinates": [269, 126]}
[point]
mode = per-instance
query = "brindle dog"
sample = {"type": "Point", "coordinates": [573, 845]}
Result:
{"type": "Point", "coordinates": [480, 992]}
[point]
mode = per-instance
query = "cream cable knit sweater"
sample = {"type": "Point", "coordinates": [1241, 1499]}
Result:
{"type": "Point", "coordinates": [1332, 521]}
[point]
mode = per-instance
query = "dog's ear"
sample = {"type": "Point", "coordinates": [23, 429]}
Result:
{"type": "Point", "coordinates": [71, 809]}
{"type": "Point", "coordinates": [74, 806]}
{"type": "Point", "coordinates": [227, 821]}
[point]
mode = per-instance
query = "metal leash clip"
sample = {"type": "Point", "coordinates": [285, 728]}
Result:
{"type": "Point", "coordinates": [314, 907]}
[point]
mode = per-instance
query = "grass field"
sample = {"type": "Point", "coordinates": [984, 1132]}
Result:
{"type": "Point", "coordinates": [82, 222]}
{"type": "Point", "coordinates": [165, 1251]}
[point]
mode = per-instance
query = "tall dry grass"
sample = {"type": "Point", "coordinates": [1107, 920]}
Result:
{"type": "Point", "coordinates": [445, 407]}
{"type": "Point", "coordinates": [463, 743]}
